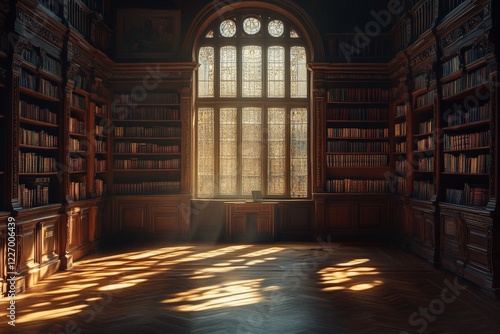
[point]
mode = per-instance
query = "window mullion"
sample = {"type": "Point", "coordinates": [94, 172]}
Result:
{"type": "Point", "coordinates": [264, 148]}
{"type": "Point", "coordinates": [288, 138]}
{"type": "Point", "coordinates": [217, 150]}
{"type": "Point", "coordinates": [239, 163]}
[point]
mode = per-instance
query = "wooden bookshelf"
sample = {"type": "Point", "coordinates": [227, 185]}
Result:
{"type": "Point", "coordinates": [357, 139]}
{"type": "Point", "coordinates": [147, 143]}
{"type": "Point", "coordinates": [38, 145]}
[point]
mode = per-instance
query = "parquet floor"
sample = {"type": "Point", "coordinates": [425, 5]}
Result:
{"type": "Point", "coordinates": [264, 288]}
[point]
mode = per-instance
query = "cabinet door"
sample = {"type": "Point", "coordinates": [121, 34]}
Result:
{"type": "Point", "coordinates": [49, 241]}
{"type": "Point", "coordinates": [265, 225]}
{"type": "Point", "coordinates": [132, 218]}
{"type": "Point", "coordinates": [371, 216]}
{"type": "Point", "coordinates": [340, 217]}
{"type": "Point", "coordinates": [167, 219]}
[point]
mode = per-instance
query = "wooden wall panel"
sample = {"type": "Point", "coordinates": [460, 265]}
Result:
{"type": "Point", "coordinates": [371, 216]}
{"type": "Point", "coordinates": [340, 217]}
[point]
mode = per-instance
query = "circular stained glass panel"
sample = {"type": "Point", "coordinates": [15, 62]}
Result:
{"type": "Point", "coordinates": [251, 25]}
{"type": "Point", "coordinates": [228, 28]}
{"type": "Point", "coordinates": [276, 28]}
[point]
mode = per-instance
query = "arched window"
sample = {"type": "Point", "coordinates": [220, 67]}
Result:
{"type": "Point", "coordinates": [252, 109]}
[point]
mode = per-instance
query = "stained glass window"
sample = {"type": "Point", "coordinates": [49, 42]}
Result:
{"type": "Point", "coordinates": [252, 71]}
{"type": "Point", "coordinates": [251, 25]}
{"type": "Point", "coordinates": [206, 72]}
{"type": "Point", "coordinates": [206, 171]}
{"type": "Point", "coordinates": [298, 152]}
{"type": "Point", "coordinates": [228, 28]}
{"type": "Point", "coordinates": [298, 72]}
{"type": "Point", "coordinates": [276, 151]}
{"type": "Point", "coordinates": [228, 142]}
{"type": "Point", "coordinates": [276, 28]}
{"type": "Point", "coordinates": [228, 71]}
{"type": "Point", "coordinates": [276, 71]}
{"type": "Point", "coordinates": [251, 150]}
{"type": "Point", "coordinates": [252, 110]}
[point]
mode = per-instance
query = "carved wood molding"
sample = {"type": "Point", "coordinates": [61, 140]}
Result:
{"type": "Point", "coordinates": [162, 75]}
{"type": "Point", "coordinates": [40, 29]}
{"type": "Point", "coordinates": [465, 28]}
{"type": "Point", "coordinates": [424, 55]}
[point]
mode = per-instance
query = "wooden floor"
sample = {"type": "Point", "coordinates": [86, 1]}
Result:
{"type": "Point", "coordinates": [266, 288]}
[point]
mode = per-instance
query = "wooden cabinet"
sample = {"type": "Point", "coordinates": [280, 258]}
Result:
{"type": "Point", "coordinates": [422, 235]}
{"type": "Point", "coordinates": [251, 221]}
{"type": "Point", "coordinates": [153, 214]}
{"type": "Point", "coordinates": [38, 248]}
{"type": "Point", "coordinates": [362, 215]}
{"type": "Point", "coordinates": [469, 245]}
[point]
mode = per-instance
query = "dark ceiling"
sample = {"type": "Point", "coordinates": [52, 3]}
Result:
{"type": "Point", "coordinates": [330, 16]}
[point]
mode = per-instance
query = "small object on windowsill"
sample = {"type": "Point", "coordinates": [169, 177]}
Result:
{"type": "Point", "coordinates": [257, 195]}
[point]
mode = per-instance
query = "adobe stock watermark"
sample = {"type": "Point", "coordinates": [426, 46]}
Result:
{"type": "Point", "coordinates": [436, 307]}
{"type": "Point", "coordinates": [373, 28]}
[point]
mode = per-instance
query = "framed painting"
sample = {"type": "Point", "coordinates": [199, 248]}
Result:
{"type": "Point", "coordinates": [147, 33]}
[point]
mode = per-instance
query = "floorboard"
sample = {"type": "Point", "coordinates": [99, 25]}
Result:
{"type": "Point", "coordinates": [262, 288]}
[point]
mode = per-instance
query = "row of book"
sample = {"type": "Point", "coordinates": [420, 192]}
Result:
{"type": "Point", "coordinates": [100, 146]}
{"type": "Point", "coordinates": [358, 95]}
{"type": "Point", "coordinates": [355, 160]}
{"type": "Point", "coordinates": [30, 162]}
{"type": "Point", "coordinates": [146, 113]}
{"type": "Point", "coordinates": [147, 164]}
{"type": "Point", "coordinates": [77, 191]}
{"type": "Point", "coordinates": [76, 126]}
{"type": "Point", "coordinates": [423, 189]}
{"type": "Point", "coordinates": [425, 144]}
{"type": "Point", "coordinates": [400, 129]}
{"type": "Point", "coordinates": [100, 166]}
{"type": "Point", "coordinates": [425, 99]}
{"type": "Point", "coordinates": [78, 16]}
{"type": "Point", "coordinates": [146, 188]}
{"type": "Point", "coordinates": [397, 185]}
{"type": "Point", "coordinates": [473, 54]}
{"type": "Point", "coordinates": [33, 195]}
{"type": "Point", "coordinates": [401, 147]}
{"type": "Point", "coordinates": [148, 98]}
{"type": "Point", "coordinates": [465, 141]}
{"type": "Point", "coordinates": [357, 114]}
{"type": "Point", "coordinates": [101, 110]}
{"type": "Point", "coordinates": [401, 110]}
{"type": "Point", "coordinates": [466, 164]}
{"type": "Point", "coordinates": [101, 131]}
{"type": "Point", "coordinates": [357, 186]}
{"type": "Point", "coordinates": [471, 115]}
{"type": "Point", "coordinates": [145, 148]}
{"type": "Point", "coordinates": [347, 146]}
{"type": "Point", "coordinates": [99, 187]}
{"type": "Point", "coordinates": [356, 133]}
{"type": "Point", "coordinates": [426, 127]}
{"type": "Point", "coordinates": [37, 138]}
{"type": "Point", "coordinates": [77, 164]}
{"type": "Point", "coordinates": [38, 84]}
{"type": "Point", "coordinates": [78, 101]}
{"type": "Point", "coordinates": [420, 81]}
{"type": "Point", "coordinates": [37, 113]}
{"type": "Point", "coordinates": [473, 195]}
{"type": "Point", "coordinates": [141, 131]}
{"type": "Point", "coordinates": [468, 81]}
{"type": "Point", "coordinates": [401, 166]}
{"type": "Point", "coordinates": [49, 64]}
{"type": "Point", "coordinates": [426, 164]}
{"type": "Point", "coordinates": [75, 145]}
{"type": "Point", "coordinates": [451, 66]}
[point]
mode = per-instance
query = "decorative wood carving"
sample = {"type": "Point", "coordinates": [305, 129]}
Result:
{"type": "Point", "coordinates": [40, 29]}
